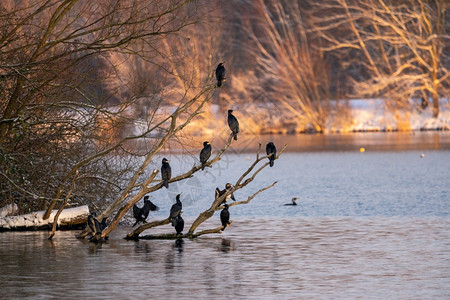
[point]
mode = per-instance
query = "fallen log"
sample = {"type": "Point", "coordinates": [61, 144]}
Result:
{"type": "Point", "coordinates": [70, 218]}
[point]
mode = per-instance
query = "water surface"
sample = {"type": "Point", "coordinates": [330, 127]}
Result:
{"type": "Point", "coordinates": [368, 225]}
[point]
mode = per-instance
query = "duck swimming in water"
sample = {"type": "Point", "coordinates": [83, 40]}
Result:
{"type": "Point", "coordinates": [293, 201]}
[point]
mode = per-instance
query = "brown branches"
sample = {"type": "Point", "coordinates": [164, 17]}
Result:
{"type": "Point", "coordinates": [398, 46]}
{"type": "Point", "coordinates": [72, 97]}
{"type": "Point", "coordinates": [242, 181]}
{"type": "Point", "coordinates": [250, 197]}
{"type": "Point", "coordinates": [238, 185]}
{"type": "Point", "coordinates": [203, 216]}
{"type": "Point", "coordinates": [66, 200]}
{"type": "Point", "coordinates": [188, 174]}
{"type": "Point", "coordinates": [173, 236]}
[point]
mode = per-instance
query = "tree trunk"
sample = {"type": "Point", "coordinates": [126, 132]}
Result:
{"type": "Point", "coordinates": [70, 218]}
{"type": "Point", "coordinates": [435, 97]}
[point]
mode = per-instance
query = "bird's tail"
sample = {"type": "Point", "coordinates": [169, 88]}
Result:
{"type": "Point", "coordinates": [174, 222]}
{"type": "Point", "coordinates": [271, 163]}
{"type": "Point", "coordinates": [219, 83]}
{"type": "Point", "coordinates": [223, 227]}
{"type": "Point", "coordinates": [166, 183]}
{"type": "Point", "coordinates": [235, 136]}
{"type": "Point", "coordinates": [135, 223]}
{"type": "Point", "coordinates": [203, 166]}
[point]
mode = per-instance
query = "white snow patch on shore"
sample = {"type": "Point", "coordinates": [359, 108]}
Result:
{"type": "Point", "coordinates": [35, 219]}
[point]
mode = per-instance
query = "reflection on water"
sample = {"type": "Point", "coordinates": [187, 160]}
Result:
{"type": "Point", "coordinates": [367, 226]}
{"type": "Point", "coordinates": [373, 141]}
{"type": "Point", "coordinates": [313, 258]}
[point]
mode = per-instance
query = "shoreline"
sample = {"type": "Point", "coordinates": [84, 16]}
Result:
{"type": "Point", "coordinates": [348, 141]}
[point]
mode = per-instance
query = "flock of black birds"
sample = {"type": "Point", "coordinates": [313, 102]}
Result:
{"type": "Point", "coordinates": [141, 214]}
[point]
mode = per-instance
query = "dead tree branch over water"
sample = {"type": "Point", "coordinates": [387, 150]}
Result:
{"type": "Point", "coordinates": [246, 178]}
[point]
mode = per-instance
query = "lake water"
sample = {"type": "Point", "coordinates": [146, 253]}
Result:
{"type": "Point", "coordinates": [369, 225]}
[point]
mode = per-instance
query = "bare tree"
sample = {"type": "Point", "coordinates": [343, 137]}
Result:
{"type": "Point", "coordinates": [246, 178]}
{"type": "Point", "coordinates": [293, 73]}
{"type": "Point", "coordinates": [66, 100]}
{"type": "Point", "coordinates": [395, 49]}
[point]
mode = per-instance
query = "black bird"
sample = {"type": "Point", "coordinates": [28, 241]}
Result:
{"type": "Point", "coordinates": [219, 193]}
{"type": "Point", "coordinates": [175, 210]}
{"type": "Point", "coordinates": [141, 214]}
{"type": "Point", "coordinates": [271, 149]}
{"type": "Point", "coordinates": [205, 154]}
{"type": "Point", "coordinates": [293, 202]}
{"type": "Point", "coordinates": [233, 123]}
{"type": "Point", "coordinates": [166, 172]}
{"type": "Point", "coordinates": [94, 224]}
{"type": "Point", "coordinates": [179, 224]}
{"type": "Point", "coordinates": [103, 223]}
{"type": "Point", "coordinates": [225, 217]}
{"type": "Point", "coordinates": [220, 74]}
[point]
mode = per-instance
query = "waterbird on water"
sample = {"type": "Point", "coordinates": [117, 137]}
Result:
{"type": "Point", "coordinates": [293, 201]}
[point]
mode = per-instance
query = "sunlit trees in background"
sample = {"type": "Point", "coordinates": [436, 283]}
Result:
{"type": "Point", "coordinates": [396, 50]}
{"type": "Point", "coordinates": [293, 74]}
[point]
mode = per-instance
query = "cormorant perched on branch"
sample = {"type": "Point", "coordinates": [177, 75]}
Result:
{"type": "Point", "coordinates": [233, 124]}
{"type": "Point", "coordinates": [141, 214]}
{"type": "Point", "coordinates": [293, 202]}
{"type": "Point", "coordinates": [94, 225]}
{"type": "Point", "coordinates": [220, 74]}
{"type": "Point", "coordinates": [166, 172]}
{"type": "Point", "coordinates": [103, 223]}
{"type": "Point", "coordinates": [205, 154]}
{"type": "Point", "coordinates": [219, 193]}
{"type": "Point", "coordinates": [270, 148]}
{"type": "Point", "coordinates": [179, 224]}
{"type": "Point", "coordinates": [225, 217]}
{"type": "Point", "coordinates": [175, 210]}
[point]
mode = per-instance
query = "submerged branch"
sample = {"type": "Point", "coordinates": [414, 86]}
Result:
{"type": "Point", "coordinates": [174, 236]}
{"type": "Point", "coordinates": [135, 234]}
